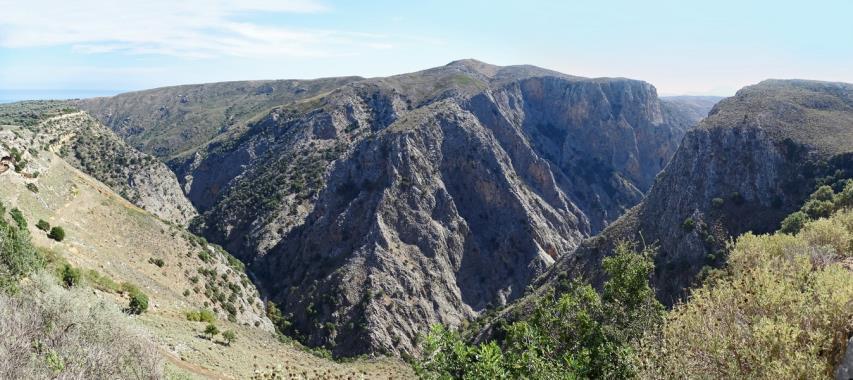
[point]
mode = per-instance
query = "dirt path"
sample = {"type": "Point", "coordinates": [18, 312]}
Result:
{"type": "Point", "coordinates": [192, 368]}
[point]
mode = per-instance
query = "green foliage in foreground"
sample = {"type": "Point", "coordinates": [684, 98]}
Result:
{"type": "Point", "coordinates": [18, 257]}
{"type": "Point", "coordinates": [822, 203]}
{"type": "Point", "coordinates": [781, 309]}
{"type": "Point", "coordinates": [579, 334]}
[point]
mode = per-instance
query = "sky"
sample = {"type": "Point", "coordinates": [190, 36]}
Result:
{"type": "Point", "coordinates": [61, 48]}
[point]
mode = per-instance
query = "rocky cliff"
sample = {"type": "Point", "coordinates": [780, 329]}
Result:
{"type": "Point", "coordinates": [369, 209]}
{"type": "Point", "coordinates": [393, 203]}
{"type": "Point", "coordinates": [751, 162]}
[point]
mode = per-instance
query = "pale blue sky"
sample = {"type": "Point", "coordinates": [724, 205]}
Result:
{"type": "Point", "coordinates": [682, 47]}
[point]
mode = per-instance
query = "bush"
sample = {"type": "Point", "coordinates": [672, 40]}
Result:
{"type": "Point", "coordinates": [32, 187]}
{"type": "Point", "coordinates": [828, 233]}
{"type": "Point", "coordinates": [157, 261]}
{"type": "Point", "coordinates": [794, 223]}
{"type": "Point", "coordinates": [70, 276]}
{"type": "Point", "coordinates": [138, 302]}
{"type": "Point", "coordinates": [53, 333]}
{"type": "Point", "coordinates": [43, 225]}
{"type": "Point", "coordinates": [781, 310]}
{"type": "Point", "coordinates": [580, 334]}
{"type": "Point", "coordinates": [18, 217]}
{"type": "Point", "coordinates": [201, 315]}
{"type": "Point", "coordinates": [717, 202]}
{"type": "Point", "coordinates": [229, 336]}
{"type": "Point", "coordinates": [57, 233]}
{"type": "Point", "coordinates": [688, 224]}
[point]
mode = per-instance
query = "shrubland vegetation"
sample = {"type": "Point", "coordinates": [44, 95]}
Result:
{"type": "Point", "coordinates": [579, 334]}
{"type": "Point", "coordinates": [782, 308]}
{"type": "Point", "coordinates": [50, 331]}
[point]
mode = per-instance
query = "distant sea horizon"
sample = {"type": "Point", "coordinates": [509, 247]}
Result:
{"type": "Point", "coordinates": [17, 95]}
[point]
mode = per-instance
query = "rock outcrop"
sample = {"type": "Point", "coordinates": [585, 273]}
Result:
{"type": "Point", "coordinates": [754, 160]}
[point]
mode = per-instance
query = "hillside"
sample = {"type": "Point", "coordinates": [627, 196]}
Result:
{"type": "Point", "coordinates": [176, 121]}
{"type": "Point", "coordinates": [383, 187]}
{"type": "Point", "coordinates": [92, 148]}
{"type": "Point", "coordinates": [117, 246]}
{"type": "Point", "coordinates": [754, 160]}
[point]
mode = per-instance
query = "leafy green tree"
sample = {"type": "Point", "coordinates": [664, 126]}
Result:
{"type": "Point", "coordinates": [18, 217]}
{"type": "Point", "coordinates": [579, 334]}
{"type": "Point", "coordinates": [794, 223]}
{"type": "Point", "coordinates": [229, 336]}
{"type": "Point", "coordinates": [211, 330]}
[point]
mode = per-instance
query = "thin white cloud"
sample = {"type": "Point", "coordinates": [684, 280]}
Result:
{"type": "Point", "coordinates": [188, 28]}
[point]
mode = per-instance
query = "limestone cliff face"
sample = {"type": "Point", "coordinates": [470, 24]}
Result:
{"type": "Point", "coordinates": [754, 160]}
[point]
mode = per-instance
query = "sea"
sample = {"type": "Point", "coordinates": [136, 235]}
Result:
{"type": "Point", "coordinates": [17, 95]}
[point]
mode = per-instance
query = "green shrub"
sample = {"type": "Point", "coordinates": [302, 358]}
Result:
{"type": "Point", "coordinates": [70, 276]}
{"type": "Point", "coordinates": [43, 225]}
{"type": "Point", "coordinates": [579, 334]}
{"type": "Point", "coordinates": [201, 315]}
{"type": "Point", "coordinates": [794, 222]}
{"type": "Point", "coordinates": [32, 187]}
{"type": "Point", "coordinates": [157, 261]}
{"type": "Point", "coordinates": [717, 202]}
{"type": "Point", "coordinates": [18, 217]}
{"type": "Point", "coordinates": [781, 309]}
{"type": "Point", "coordinates": [688, 225]}
{"type": "Point", "coordinates": [138, 301]}
{"type": "Point", "coordinates": [229, 336]}
{"type": "Point", "coordinates": [57, 233]}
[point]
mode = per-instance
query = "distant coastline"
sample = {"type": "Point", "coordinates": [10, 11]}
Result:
{"type": "Point", "coordinates": [17, 95]}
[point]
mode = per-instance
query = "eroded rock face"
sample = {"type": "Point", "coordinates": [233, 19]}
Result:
{"type": "Point", "coordinates": [431, 206]}
{"type": "Point", "coordinates": [386, 205]}
{"type": "Point", "coordinates": [754, 160]}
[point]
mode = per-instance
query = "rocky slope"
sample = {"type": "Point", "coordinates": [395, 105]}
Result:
{"type": "Point", "coordinates": [91, 147]}
{"type": "Point", "coordinates": [174, 121]}
{"type": "Point", "coordinates": [472, 176]}
{"type": "Point", "coordinates": [754, 160]}
{"type": "Point", "coordinates": [113, 242]}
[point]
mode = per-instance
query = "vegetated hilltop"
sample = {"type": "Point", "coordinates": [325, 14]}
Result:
{"type": "Point", "coordinates": [119, 255]}
{"type": "Point", "coordinates": [177, 120]}
{"type": "Point", "coordinates": [752, 162]}
{"type": "Point", "coordinates": [355, 204]}
{"type": "Point", "coordinates": [91, 147]}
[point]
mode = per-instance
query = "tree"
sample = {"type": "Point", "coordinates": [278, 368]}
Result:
{"type": "Point", "coordinates": [229, 336]}
{"type": "Point", "coordinates": [18, 216]}
{"type": "Point", "coordinates": [211, 330]}
{"type": "Point", "coordinates": [579, 334]}
{"type": "Point", "coordinates": [57, 233]}
{"type": "Point", "coordinates": [794, 223]}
